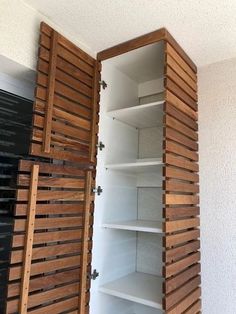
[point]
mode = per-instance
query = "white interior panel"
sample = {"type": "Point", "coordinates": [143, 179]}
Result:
{"type": "Point", "coordinates": [150, 204]}
{"type": "Point", "coordinates": [149, 253]}
{"type": "Point", "coordinates": [150, 142]}
{"type": "Point", "coordinates": [127, 239]}
{"type": "Point", "coordinates": [151, 87]}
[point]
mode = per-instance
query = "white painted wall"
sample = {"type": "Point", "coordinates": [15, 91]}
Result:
{"type": "Point", "coordinates": [19, 29]}
{"type": "Point", "coordinates": [217, 132]}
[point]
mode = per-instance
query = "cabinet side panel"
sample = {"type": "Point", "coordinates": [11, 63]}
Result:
{"type": "Point", "coordinates": [181, 256]}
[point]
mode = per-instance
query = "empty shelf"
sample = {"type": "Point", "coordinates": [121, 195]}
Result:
{"type": "Point", "coordinates": [137, 287]}
{"type": "Point", "coordinates": [141, 116]}
{"type": "Point", "coordinates": [140, 165]}
{"type": "Point", "coordinates": [136, 225]}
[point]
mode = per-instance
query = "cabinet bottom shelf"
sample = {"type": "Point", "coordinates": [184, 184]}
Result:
{"type": "Point", "coordinates": [137, 287]}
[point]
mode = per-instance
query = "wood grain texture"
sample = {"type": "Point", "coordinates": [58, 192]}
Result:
{"type": "Point", "coordinates": [85, 244]}
{"type": "Point", "coordinates": [181, 242]}
{"type": "Point", "coordinates": [50, 93]}
{"type": "Point", "coordinates": [64, 110]}
{"type": "Point", "coordinates": [61, 236]}
{"type": "Point", "coordinates": [23, 304]}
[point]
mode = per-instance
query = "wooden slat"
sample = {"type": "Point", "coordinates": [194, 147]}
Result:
{"type": "Point", "coordinates": [43, 195]}
{"type": "Point", "coordinates": [182, 292]}
{"type": "Point", "coordinates": [170, 39]}
{"type": "Point", "coordinates": [58, 307]}
{"type": "Point", "coordinates": [62, 77]}
{"type": "Point", "coordinates": [176, 186]}
{"type": "Point", "coordinates": [27, 257]}
{"type": "Point", "coordinates": [173, 283]}
{"type": "Point", "coordinates": [181, 212]}
{"type": "Point", "coordinates": [174, 54]}
{"type": "Point", "coordinates": [189, 116]}
{"type": "Point", "coordinates": [51, 209]}
{"type": "Point", "coordinates": [61, 128]}
{"type": "Point", "coordinates": [180, 127]}
{"type": "Point", "coordinates": [181, 83]}
{"type": "Point", "coordinates": [68, 57]}
{"type": "Point", "coordinates": [65, 67]}
{"type": "Point", "coordinates": [24, 180]}
{"type": "Point", "coordinates": [96, 90]}
{"type": "Point", "coordinates": [130, 45]}
{"type": "Point", "coordinates": [85, 246]}
{"type": "Point", "coordinates": [181, 94]}
{"type": "Point", "coordinates": [47, 223]}
{"type": "Point", "coordinates": [175, 199]}
{"type": "Point", "coordinates": [47, 251]}
{"type": "Point", "coordinates": [65, 116]}
{"type": "Point", "coordinates": [45, 282]}
{"type": "Point", "coordinates": [61, 141]}
{"type": "Point", "coordinates": [194, 308]}
{"type": "Point", "coordinates": [180, 251]}
{"type": "Point", "coordinates": [187, 302]}
{"type": "Point", "coordinates": [174, 65]}
{"type": "Point", "coordinates": [177, 149]}
{"type": "Point", "coordinates": [177, 267]}
{"type": "Point", "coordinates": [179, 238]}
{"type": "Point", "coordinates": [50, 94]}
{"type": "Point", "coordinates": [172, 160]}
{"type": "Point", "coordinates": [47, 266]}
{"type": "Point", "coordinates": [50, 168]}
{"type": "Point", "coordinates": [180, 138]}
{"type": "Point", "coordinates": [47, 30]}
{"type": "Point", "coordinates": [177, 225]}
{"type": "Point", "coordinates": [44, 297]}
{"type": "Point", "coordinates": [174, 173]}
{"type": "Point", "coordinates": [49, 237]}
{"type": "Point", "coordinates": [58, 154]}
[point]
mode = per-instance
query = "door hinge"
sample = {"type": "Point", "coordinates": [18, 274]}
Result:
{"type": "Point", "coordinates": [94, 275]}
{"type": "Point", "coordinates": [103, 84]}
{"type": "Point", "coordinates": [100, 145]}
{"type": "Point", "coordinates": [98, 190]}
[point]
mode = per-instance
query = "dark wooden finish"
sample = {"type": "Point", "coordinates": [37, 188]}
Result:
{"type": "Point", "coordinates": [60, 238]}
{"type": "Point", "coordinates": [181, 243]}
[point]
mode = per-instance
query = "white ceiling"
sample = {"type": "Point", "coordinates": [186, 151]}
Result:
{"type": "Point", "coordinates": [206, 29]}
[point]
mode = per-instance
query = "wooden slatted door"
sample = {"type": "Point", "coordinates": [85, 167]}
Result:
{"type": "Point", "coordinates": [65, 109]}
{"type": "Point", "coordinates": [51, 249]}
{"type": "Point", "coordinates": [181, 234]}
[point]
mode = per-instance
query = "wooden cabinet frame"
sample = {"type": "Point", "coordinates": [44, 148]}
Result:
{"type": "Point", "coordinates": [65, 128]}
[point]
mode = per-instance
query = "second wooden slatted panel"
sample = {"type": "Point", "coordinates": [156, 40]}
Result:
{"type": "Point", "coordinates": [181, 254]}
{"type": "Point", "coordinates": [62, 242]}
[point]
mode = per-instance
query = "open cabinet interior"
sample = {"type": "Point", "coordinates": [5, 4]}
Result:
{"type": "Point", "coordinates": [127, 246]}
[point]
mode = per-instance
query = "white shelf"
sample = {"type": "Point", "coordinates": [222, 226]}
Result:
{"type": "Point", "coordinates": [137, 287]}
{"type": "Point", "coordinates": [139, 166]}
{"type": "Point", "coordinates": [141, 116]}
{"type": "Point", "coordinates": [136, 225]}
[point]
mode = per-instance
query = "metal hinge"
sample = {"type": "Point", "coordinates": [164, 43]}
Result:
{"type": "Point", "coordinates": [103, 84]}
{"type": "Point", "coordinates": [98, 190]}
{"type": "Point", "coordinates": [94, 275]}
{"type": "Point", "coordinates": [100, 145]}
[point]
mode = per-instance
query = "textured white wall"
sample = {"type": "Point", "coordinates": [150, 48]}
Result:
{"type": "Point", "coordinates": [217, 138]}
{"type": "Point", "coordinates": [19, 26]}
